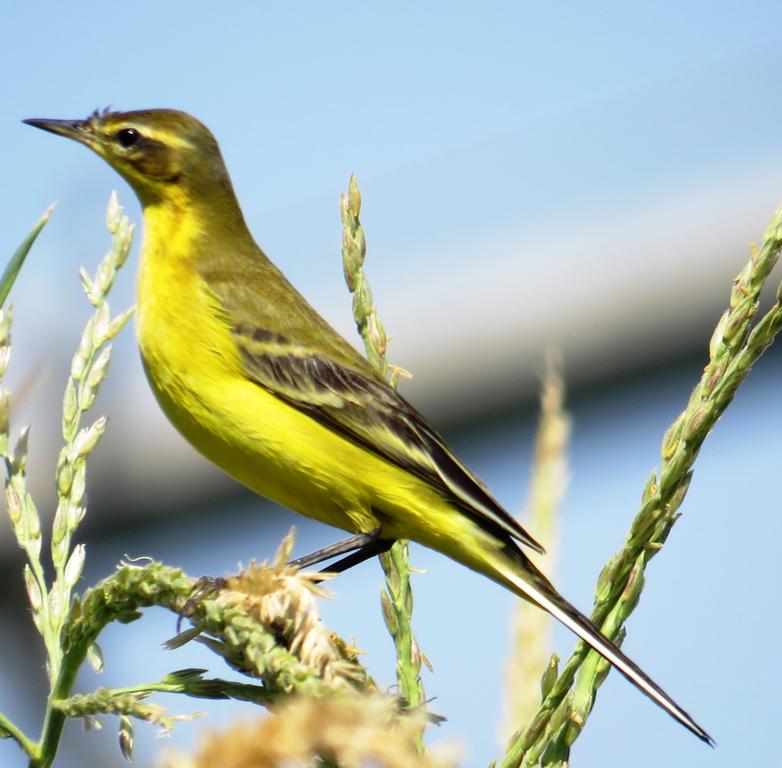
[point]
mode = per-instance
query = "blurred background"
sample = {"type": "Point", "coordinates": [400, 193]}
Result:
{"type": "Point", "coordinates": [586, 176]}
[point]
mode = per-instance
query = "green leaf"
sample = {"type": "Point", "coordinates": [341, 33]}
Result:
{"type": "Point", "coordinates": [14, 266]}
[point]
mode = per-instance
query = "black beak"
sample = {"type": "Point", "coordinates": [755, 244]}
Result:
{"type": "Point", "coordinates": [78, 130]}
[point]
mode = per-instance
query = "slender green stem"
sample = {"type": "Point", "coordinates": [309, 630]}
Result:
{"type": "Point", "coordinates": [7, 728]}
{"type": "Point", "coordinates": [397, 598]}
{"type": "Point", "coordinates": [55, 718]}
{"type": "Point", "coordinates": [232, 622]}
{"type": "Point", "coordinates": [89, 367]}
{"type": "Point", "coordinates": [201, 689]}
{"type": "Point", "coordinates": [144, 688]}
{"type": "Point", "coordinates": [397, 602]}
{"type": "Point", "coordinates": [51, 605]}
{"type": "Point", "coordinates": [530, 654]}
{"type": "Point", "coordinates": [734, 348]}
{"type": "Point", "coordinates": [21, 509]}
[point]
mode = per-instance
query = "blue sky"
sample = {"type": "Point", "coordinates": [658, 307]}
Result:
{"type": "Point", "coordinates": [514, 157]}
{"type": "Point", "coordinates": [488, 143]}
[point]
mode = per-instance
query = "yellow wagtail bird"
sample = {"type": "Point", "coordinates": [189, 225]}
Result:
{"type": "Point", "coordinates": [262, 385]}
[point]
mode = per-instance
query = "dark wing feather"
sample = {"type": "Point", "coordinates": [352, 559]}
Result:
{"type": "Point", "coordinates": [364, 409]}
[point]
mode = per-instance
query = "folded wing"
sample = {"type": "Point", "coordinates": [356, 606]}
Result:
{"type": "Point", "coordinates": [361, 407]}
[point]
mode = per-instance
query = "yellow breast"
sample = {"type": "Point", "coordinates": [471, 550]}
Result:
{"type": "Point", "coordinates": [196, 373]}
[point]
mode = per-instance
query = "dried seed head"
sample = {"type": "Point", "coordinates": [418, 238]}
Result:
{"type": "Point", "coordinates": [284, 599]}
{"type": "Point", "coordinates": [351, 731]}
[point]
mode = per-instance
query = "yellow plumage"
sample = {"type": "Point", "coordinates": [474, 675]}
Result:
{"type": "Point", "coordinates": [261, 385]}
{"type": "Point", "coordinates": [195, 370]}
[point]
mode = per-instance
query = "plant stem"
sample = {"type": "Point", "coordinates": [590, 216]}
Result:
{"type": "Point", "coordinates": [734, 348]}
{"type": "Point", "coordinates": [530, 654]}
{"type": "Point", "coordinates": [55, 718]}
{"type": "Point", "coordinates": [397, 602]}
{"type": "Point", "coordinates": [397, 598]}
{"type": "Point", "coordinates": [12, 731]}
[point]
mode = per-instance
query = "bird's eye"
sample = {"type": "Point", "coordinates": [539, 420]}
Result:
{"type": "Point", "coordinates": [127, 137]}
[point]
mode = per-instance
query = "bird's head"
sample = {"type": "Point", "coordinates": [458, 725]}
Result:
{"type": "Point", "coordinates": [163, 154]}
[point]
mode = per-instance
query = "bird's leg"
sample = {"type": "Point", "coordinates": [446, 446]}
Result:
{"type": "Point", "coordinates": [375, 547]}
{"type": "Point", "coordinates": [206, 586]}
{"type": "Point", "coordinates": [346, 545]}
{"type": "Point", "coordinates": [362, 545]}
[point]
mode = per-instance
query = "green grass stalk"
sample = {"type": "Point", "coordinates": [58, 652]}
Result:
{"type": "Point", "coordinates": [530, 654]}
{"type": "Point", "coordinates": [735, 346]}
{"type": "Point", "coordinates": [397, 597]}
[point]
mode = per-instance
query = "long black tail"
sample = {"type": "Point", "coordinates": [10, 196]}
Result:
{"type": "Point", "coordinates": [531, 584]}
